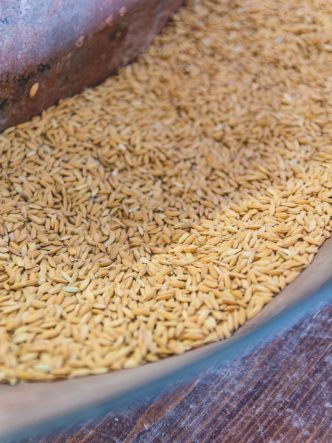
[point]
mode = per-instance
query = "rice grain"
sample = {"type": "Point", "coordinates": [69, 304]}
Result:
{"type": "Point", "coordinates": [163, 209]}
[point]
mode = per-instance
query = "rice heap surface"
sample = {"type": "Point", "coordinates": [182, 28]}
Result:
{"type": "Point", "coordinates": [161, 210]}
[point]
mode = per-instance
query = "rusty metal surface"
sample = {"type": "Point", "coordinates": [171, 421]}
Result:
{"type": "Point", "coordinates": [50, 49]}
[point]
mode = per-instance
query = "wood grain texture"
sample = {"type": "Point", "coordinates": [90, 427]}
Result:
{"type": "Point", "coordinates": [279, 393]}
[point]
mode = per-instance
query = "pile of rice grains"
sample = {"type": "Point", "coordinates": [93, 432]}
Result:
{"type": "Point", "coordinates": [161, 210]}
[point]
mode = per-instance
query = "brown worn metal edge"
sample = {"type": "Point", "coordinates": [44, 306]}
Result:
{"type": "Point", "coordinates": [28, 404]}
{"type": "Point", "coordinates": [64, 47]}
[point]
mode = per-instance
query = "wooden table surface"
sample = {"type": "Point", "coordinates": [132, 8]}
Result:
{"type": "Point", "coordinates": [282, 392]}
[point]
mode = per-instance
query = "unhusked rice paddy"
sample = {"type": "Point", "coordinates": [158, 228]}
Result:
{"type": "Point", "coordinates": [163, 209]}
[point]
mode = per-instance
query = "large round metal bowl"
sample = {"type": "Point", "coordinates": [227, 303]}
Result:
{"type": "Point", "coordinates": [64, 47]}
